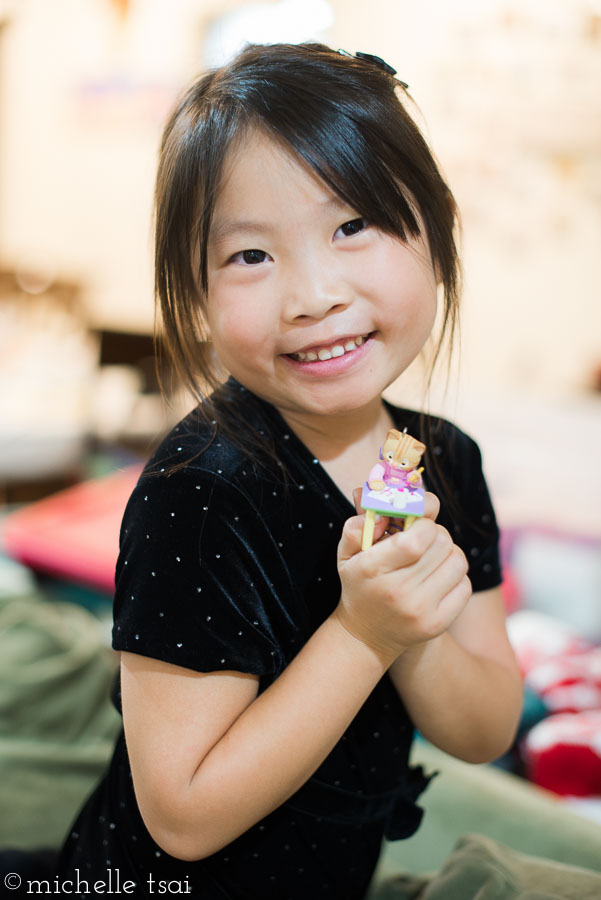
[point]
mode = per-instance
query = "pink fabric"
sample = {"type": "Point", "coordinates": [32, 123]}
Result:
{"type": "Point", "coordinates": [383, 471]}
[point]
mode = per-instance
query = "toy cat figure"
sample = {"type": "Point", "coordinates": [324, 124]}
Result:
{"type": "Point", "coordinates": [394, 487]}
{"type": "Point", "coordinates": [400, 457]}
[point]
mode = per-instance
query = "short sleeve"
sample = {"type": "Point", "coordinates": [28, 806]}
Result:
{"type": "Point", "coordinates": [200, 579]}
{"type": "Point", "coordinates": [471, 517]}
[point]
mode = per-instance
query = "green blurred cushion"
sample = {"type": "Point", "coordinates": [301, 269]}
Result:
{"type": "Point", "coordinates": [57, 724]}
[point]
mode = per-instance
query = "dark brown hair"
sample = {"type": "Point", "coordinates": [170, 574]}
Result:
{"type": "Point", "coordinates": [346, 119]}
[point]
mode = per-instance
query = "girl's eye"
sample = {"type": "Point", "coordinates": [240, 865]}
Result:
{"type": "Point", "coordinates": [249, 257]}
{"type": "Point", "coordinates": [353, 227]}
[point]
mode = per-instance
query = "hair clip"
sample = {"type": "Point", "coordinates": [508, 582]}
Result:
{"type": "Point", "coordinates": [375, 61]}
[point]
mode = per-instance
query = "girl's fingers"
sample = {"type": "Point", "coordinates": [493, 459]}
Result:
{"type": "Point", "coordinates": [405, 548]}
{"type": "Point", "coordinates": [448, 574]}
{"type": "Point", "coordinates": [352, 534]}
{"type": "Point", "coordinates": [431, 505]}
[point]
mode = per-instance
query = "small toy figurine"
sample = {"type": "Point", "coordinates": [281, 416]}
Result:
{"type": "Point", "coordinates": [394, 487]}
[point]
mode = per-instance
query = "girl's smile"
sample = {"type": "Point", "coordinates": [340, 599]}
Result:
{"type": "Point", "coordinates": [309, 306]}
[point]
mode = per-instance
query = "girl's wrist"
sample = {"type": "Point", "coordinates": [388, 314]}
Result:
{"type": "Point", "coordinates": [381, 656]}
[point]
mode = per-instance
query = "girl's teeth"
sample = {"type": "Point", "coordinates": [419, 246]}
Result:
{"type": "Point", "coordinates": [337, 350]}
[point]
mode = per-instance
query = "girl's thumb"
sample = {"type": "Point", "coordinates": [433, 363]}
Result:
{"type": "Point", "coordinates": [350, 541]}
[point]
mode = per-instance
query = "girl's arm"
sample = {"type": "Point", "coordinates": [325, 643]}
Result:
{"type": "Point", "coordinates": [463, 689]}
{"type": "Point", "coordinates": [210, 758]}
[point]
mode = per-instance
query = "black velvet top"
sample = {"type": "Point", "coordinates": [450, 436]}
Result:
{"type": "Point", "coordinates": [224, 566]}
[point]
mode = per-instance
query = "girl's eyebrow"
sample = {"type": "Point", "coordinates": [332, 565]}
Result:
{"type": "Point", "coordinates": [226, 228]}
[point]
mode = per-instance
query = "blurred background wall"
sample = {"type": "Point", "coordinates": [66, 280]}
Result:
{"type": "Point", "coordinates": [508, 93]}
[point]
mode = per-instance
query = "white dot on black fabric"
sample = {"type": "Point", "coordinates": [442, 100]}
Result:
{"type": "Point", "coordinates": [239, 634]}
{"type": "Point", "coordinates": [137, 637]}
{"type": "Point", "coordinates": [301, 487]}
{"type": "Point", "coordinates": [474, 551]}
{"type": "Point", "coordinates": [286, 437]}
{"type": "Point", "coordinates": [112, 826]}
{"type": "Point", "coordinates": [261, 828]}
{"type": "Point", "coordinates": [255, 622]}
{"type": "Point", "coordinates": [125, 563]}
{"type": "Point", "coordinates": [376, 734]}
{"type": "Point", "coordinates": [280, 544]}
{"type": "Point", "coordinates": [326, 496]}
{"type": "Point", "coordinates": [218, 556]}
{"type": "Point", "coordinates": [219, 471]}
{"type": "Point", "coordinates": [198, 590]}
{"type": "Point", "coordinates": [205, 508]}
{"type": "Point", "coordinates": [236, 518]}
{"type": "Point", "coordinates": [172, 515]}
{"type": "Point", "coordinates": [178, 559]}
{"type": "Point", "coordinates": [208, 618]}
{"type": "Point", "coordinates": [74, 835]}
{"type": "Point", "coordinates": [146, 498]}
{"type": "Point", "coordinates": [226, 859]}
{"type": "Point", "coordinates": [286, 846]}
{"type": "Point", "coordinates": [486, 518]}
{"type": "Point", "coordinates": [337, 784]}
{"type": "Point", "coordinates": [487, 567]}
{"type": "Point", "coordinates": [154, 574]}
{"type": "Point", "coordinates": [222, 661]}
{"type": "Point", "coordinates": [180, 646]}
{"type": "Point", "coordinates": [162, 470]}
{"type": "Point", "coordinates": [255, 855]}
{"type": "Point", "coordinates": [197, 487]}
{"type": "Point", "coordinates": [105, 843]}
{"type": "Point", "coordinates": [300, 524]}
{"type": "Point", "coordinates": [157, 853]}
{"type": "Point", "coordinates": [437, 451]}
{"type": "Point", "coordinates": [179, 449]}
{"type": "Point", "coordinates": [161, 614]}
{"type": "Point", "coordinates": [319, 578]}
{"type": "Point", "coordinates": [330, 524]}
{"type": "Point", "coordinates": [313, 846]}
{"type": "Point", "coordinates": [147, 537]}
{"type": "Point", "coordinates": [315, 462]}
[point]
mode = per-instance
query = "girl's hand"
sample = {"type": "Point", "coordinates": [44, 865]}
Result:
{"type": "Point", "coordinates": [404, 590]}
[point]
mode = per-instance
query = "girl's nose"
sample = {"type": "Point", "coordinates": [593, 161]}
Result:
{"type": "Point", "coordinates": [315, 292]}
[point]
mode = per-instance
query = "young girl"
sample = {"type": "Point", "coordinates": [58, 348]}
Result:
{"type": "Point", "coordinates": [272, 674]}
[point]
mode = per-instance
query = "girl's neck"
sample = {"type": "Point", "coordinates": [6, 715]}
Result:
{"type": "Point", "coordinates": [330, 438]}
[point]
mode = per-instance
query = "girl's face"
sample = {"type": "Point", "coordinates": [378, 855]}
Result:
{"type": "Point", "coordinates": [309, 306]}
